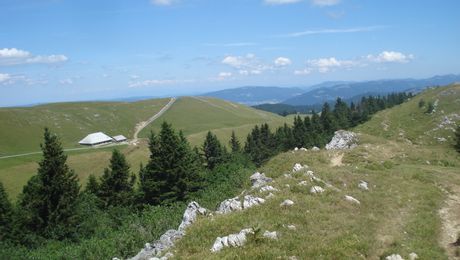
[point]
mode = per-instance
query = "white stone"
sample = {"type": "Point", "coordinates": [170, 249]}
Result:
{"type": "Point", "coordinates": [315, 149]}
{"type": "Point", "coordinates": [269, 196]}
{"type": "Point", "coordinates": [232, 240]}
{"type": "Point", "coordinates": [296, 149]}
{"type": "Point", "coordinates": [287, 203]}
{"type": "Point", "coordinates": [298, 167]}
{"type": "Point", "coordinates": [250, 201]}
{"type": "Point", "coordinates": [303, 149]}
{"type": "Point", "coordinates": [303, 183]}
{"type": "Point", "coordinates": [394, 257]}
{"type": "Point", "coordinates": [351, 199]}
{"type": "Point", "coordinates": [316, 189]}
{"type": "Point", "coordinates": [259, 179]}
{"type": "Point", "coordinates": [271, 235]}
{"type": "Point", "coordinates": [268, 188]}
{"type": "Point", "coordinates": [190, 214]}
{"type": "Point", "coordinates": [363, 185]}
{"type": "Point", "coordinates": [229, 205]}
{"type": "Point", "coordinates": [291, 227]}
{"type": "Point", "coordinates": [342, 140]}
{"type": "Point", "coordinates": [413, 256]}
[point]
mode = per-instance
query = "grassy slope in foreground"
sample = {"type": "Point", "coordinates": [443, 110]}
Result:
{"type": "Point", "coordinates": [399, 214]}
{"type": "Point", "coordinates": [21, 129]}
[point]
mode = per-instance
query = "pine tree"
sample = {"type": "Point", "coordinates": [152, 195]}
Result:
{"type": "Point", "coordinates": [6, 211]}
{"type": "Point", "coordinates": [172, 172]}
{"type": "Point", "coordinates": [342, 114]}
{"type": "Point", "coordinates": [328, 122]}
{"type": "Point", "coordinates": [234, 143]}
{"type": "Point", "coordinates": [457, 136]}
{"type": "Point", "coordinates": [92, 186]}
{"type": "Point", "coordinates": [116, 184]}
{"type": "Point", "coordinates": [49, 199]}
{"type": "Point", "coordinates": [212, 151]}
{"type": "Point", "coordinates": [299, 131]}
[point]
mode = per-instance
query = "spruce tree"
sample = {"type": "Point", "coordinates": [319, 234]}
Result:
{"type": "Point", "coordinates": [92, 186]}
{"type": "Point", "coordinates": [49, 199]}
{"type": "Point", "coordinates": [213, 151]}
{"type": "Point", "coordinates": [172, 172]}
{"type": "Point", "coordinates": [116, 184]}
{"type": "Point", "coordinates": [299, 131]}
{"type": "Point", "coordinates": [234, 143]}
{"type": "Point", "coordinates": [342, 114]}
{"type": "Point", "coordinates": [6, 211]}
{"type": "Point", "coordinates": [457, 136]}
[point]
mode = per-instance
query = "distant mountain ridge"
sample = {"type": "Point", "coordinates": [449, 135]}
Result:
{"type": "Point", "coordinates": [376, 87]}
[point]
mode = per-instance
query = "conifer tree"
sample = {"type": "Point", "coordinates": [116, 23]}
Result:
{"type": "Point", "coordinates": [49, 199]}
{"type": "Point", "coordinates": [92, 186]}
{"type": "Point", "coordinates": [6, 211]}
{"type": "Point", "coordinates": [457, 136]}
{"type": "Point", "coordinates": [299, 131]}
{"type": "Point", "coordinates": [116, 184]}
{"type": "Point", "coordinates": [234, 143]}
{"type": "Point", "coordinates": [342, 114]}
{"type": "Point", "coordinates": [213, 151]}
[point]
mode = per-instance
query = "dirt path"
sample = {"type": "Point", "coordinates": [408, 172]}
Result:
{"type": "Point", "coordinates": [450, 216]}
{"type": "Point", "coordinates": [141, 125]}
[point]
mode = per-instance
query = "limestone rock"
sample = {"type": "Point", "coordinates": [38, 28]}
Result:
{"type": "Point", "coordinates": [363, 185]}
{"type": "Point", "coordinates": [290, 227]}
{"type": "Point", "coordinates": [229, 205]}
{"type": "Point", "coordinates": [303, 183]}
{"type": "Point", "coordinates": [165, 242]}
{"type": "Point", "coordinates": [232, 240]}
{"type": "Point", "coordinates": [190, 214]}
{"type": "Point", "coordinates": [315, 149]}
{"type": "Point", "coordinates": [250, 201]}
{"type": "Point", "coordinates": [352, 200]}
{"type": "Point", "coordinates": [316, 189]}
{"type": "Point", "coordinates": [287, 203]}
{"type": "Point", "coordinates": [303, 149]}
{"type": "Point", "coordinates": [271, 235]}
{"type": "Point", "coordinates": [413, 256]}
{"type": "Point", "coordinates": [342, 140]}
{"type": "Point", "coordinates": [268, 188]}
{"type": "Point", "coordinates": [394, 257]}
{"type": "Point", "coordinates": [298, 167]}
{"type": "Point", "coordinates": [259, 179]}
{"type": "Point", "coordinates": [269, 196]}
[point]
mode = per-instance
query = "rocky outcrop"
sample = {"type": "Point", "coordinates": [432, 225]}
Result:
{"type": "Point", "coordinates": [259, 179]}
{"type": "Point", "coordinates": [298, 167]}
{"type": "Point", "coordinates": [394, 257]}
{"type": "Point", "coordinates": [169, 238]}
{"type": "Point", "coordinates": [287, 203]}
{"type": "Point", "coordinates": [342, 140]}
{"type": "Point", "coordinates": [352, 200]}
{"type": "Point", "coordinates": [232, 240]}
{"type": "Point", "coordinates": [271, 235]}
{"type": "Point", "coordinates": [316, 190]}
{"type": "Point", "coordinates": [268, 188]}
{"type": "Point", "coordinates": [250, 201]}
{"type": "Point", "coordinates": [363, 185]}
{"type": "Point", "coordinates": [235, 204]}
{"type": "Point", "coordinates": [315, 149]}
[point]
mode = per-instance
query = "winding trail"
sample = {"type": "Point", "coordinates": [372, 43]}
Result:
{"type": "Point", "coordinates": [138, 128]}
{"type": "Point", "coordinates": [141, 125]}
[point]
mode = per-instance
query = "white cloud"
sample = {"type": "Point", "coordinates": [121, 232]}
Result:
{"type": "Point", "coordinates": [305, 71]}
{"type": "Point", "coordinates": [225, 74]}
{"type": "Point", "coordinates": [325, 2]}
{"type": "Point", "coordinates": [15, 56]}
{"type": "Point", "coordinates": [282, 61]}
{"type": "Point", "coordinates": [162, 2]}
{"type": "Point", "coordinates": [281, 2]}
{"type": "Point", "coordinates": [134, 76]}
{"type": "Point", "coordinates": [331, 31]}
{"type": "Point", "coordinates": [4, 77]}
{"type": "Point", "coordinates": [68, 81]}
{"type": "Point", "coordinates": [324, 65]}
{"type": "Point", "coordinates": [391, 56]}
{"type": "Point", "coordinates": [157, 82]}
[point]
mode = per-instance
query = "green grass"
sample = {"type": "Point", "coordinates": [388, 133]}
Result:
{"type": "Point", "coordinates": [22, 128]}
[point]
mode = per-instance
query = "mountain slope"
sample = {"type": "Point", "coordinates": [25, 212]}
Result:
{"type": "Point", "coordinates": [256, 95]}
{"type": "Point", "coordinates": [403, 212]}
{"type": "Point", "coordinates": [348, 90]}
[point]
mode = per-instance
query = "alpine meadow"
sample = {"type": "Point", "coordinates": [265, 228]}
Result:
{"type": "Point", "coordinates": [245, 129]}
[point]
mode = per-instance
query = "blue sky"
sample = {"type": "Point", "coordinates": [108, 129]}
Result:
{"type": "Point", "coordinates": [61, 50]}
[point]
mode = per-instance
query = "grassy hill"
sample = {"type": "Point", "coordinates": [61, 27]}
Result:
{"type": "Point", "coordinates": [71, 121]}
{"type": "Point", "coordinates": [411, 205]}
{"type": "Point", "coordinates": [22, 128]}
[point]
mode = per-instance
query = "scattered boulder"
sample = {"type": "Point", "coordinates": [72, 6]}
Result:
{"type": "Point", "coordinates": [315, 149]}
{"type": "Point", "coordinates": [303, 183]}
{"type": "Point", "coordinates": [413, 256]}
{"type": "Point", "coordinates": [298, 167]}
{"type": "Point", "coordinates": [229, 205]}
{"type": "Point", "coordinates": [363, 185]}
{"type": "Point", "coordinates": [316, 189]}
{"type": "Point", "coordinates": [290, 227]}
{"type": "Point", "coordinates": [342, 140]}
{"type": "Point", "coordinates": [287, 203]}
{"type": "Point", "coordinates": [271, 235]}
{"type": "Point", "coordinates": [309, 174]}
{"type": "Point", "coordinates": [352, 200]}
{"type": "Point", "coordinates": [269, 196]}
{"type": "Point", "coordinates": [232, 240]}
{"type": "Point", "coordinates": [268, 188]}
{"type": "Point", "coordinates": [250, 201]}
{"type": "Point", "coordinates": [296, 149]}
{"type": "Point", "coordinates": [259, 179]}
{"type": "Point", "coordinates": [190, 214]}
{"type": "Point", "coordinates": [394, 257]}
{"type": "Point", "coordinates": [303, 149]}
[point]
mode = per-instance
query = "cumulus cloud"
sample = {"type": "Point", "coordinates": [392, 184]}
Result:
{"type": "Point", "coordinates": [68, 81]}
{"type": "Point", "coordinates": [162, 2]}
{"type": "Point", "coordinates": [390, 56]}
{"type": "Point", "coordinates": [305, 71]}
{"type": "Point", "coordinates": [324, 65]}
{"type": "Point", "coordinates": [281, 2]}
{"type": "Point", "coordinates": [325, 2]}
{"type": "Point", "coordinates": [224, 75]}
{"type": "Point", "coordinates": [282, 61]}
{"type": "Point", "coordinates": [15, 56]}
{"type": "Point", "coordinates": [4, 77]}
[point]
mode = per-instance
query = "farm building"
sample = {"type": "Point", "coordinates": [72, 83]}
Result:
{"type": "Point", "coordinates": [95, 139]}
{"type": "Point", "coordinates": [120, 138]}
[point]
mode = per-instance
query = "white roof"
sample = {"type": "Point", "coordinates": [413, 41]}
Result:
{"type": "Point", "coordinates": [119, 138]}
{"type": "Point", "coordinates": [96, 138]}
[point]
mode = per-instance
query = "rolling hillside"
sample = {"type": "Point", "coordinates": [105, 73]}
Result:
{"type": "Point", "coordinates": [256, 95]}
{"type": "Point", "coordinates": [410, 206]}
{"type": "Point", "coordinates": [22, 128]}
